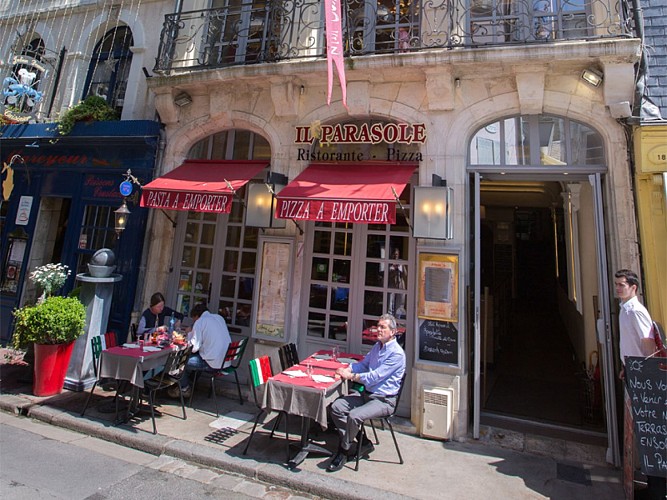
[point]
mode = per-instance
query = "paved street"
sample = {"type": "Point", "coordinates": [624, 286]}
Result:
{"type": "Point", "coordinates": [38, 460]}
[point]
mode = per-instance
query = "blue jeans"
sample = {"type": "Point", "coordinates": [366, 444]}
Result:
{"type": "Point", "coordinates": [195, 364]}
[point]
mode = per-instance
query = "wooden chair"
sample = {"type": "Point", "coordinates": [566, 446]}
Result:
{"type": "Point", "coordinates": [230, 366]}
{"type": "Point", "coordinates": [288, 356]}
{"type": "Point", "coordinates": [170, 376]}
{"type": "Point", "coordinates": [362, 431]}
{"type": "Point", "coordinates": [260, 372]}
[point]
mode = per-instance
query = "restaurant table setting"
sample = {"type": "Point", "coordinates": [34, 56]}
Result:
{"type": "Point", "coordinates": [130, 362]}
{"type": "Point", "coordinates": [306, 390]}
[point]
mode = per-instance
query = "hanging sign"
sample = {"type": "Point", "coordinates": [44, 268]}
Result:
{"type": "Point", "coordinates": [23, 213]}
{"type": "Point", "coordinates": [126, 188]}
{"type": "Point", "coordinates": [334, 32]}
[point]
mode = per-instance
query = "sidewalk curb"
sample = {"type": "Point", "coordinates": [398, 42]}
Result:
{"type": "Point", "coordinates": [303, 481]}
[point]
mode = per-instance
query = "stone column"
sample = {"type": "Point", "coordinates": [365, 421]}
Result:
{"type": "Point", "coordinates": [96, 295]}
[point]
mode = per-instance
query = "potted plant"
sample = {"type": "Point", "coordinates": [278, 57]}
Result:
{"type": "Point", "coordinates": [92, 108]}
{"type": "Point", "coordinates": [52, 325]}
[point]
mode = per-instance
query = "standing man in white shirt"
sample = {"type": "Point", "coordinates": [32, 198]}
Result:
{"type": "Point", "coordinates": [210, 340]}
{"type": "Point", "coordinates": [634, 321]}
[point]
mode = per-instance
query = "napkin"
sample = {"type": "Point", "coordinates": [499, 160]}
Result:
{"type": "Point", "coordinates": [294, 373]}
{"type": "Point", "coordinates": [322, 379]}
{"type": "Point", "coordinates": [347, 360]}
{"type": "Point", "coordinates": [130, 346]}
{"type": "Point", "coordinates": [151, 348]}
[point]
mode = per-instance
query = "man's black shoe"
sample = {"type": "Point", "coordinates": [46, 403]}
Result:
{"type": "Point", "coordinates": [339, 460]}
{"type": "Point", "coordinates": [366, 449]}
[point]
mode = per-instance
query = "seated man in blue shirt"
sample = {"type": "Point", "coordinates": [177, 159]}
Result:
{"type": "Point", "coordinates": [381, 372]}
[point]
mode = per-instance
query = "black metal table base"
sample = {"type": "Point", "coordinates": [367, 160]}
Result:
{"type": "Point", "coordinates": [307, 446]}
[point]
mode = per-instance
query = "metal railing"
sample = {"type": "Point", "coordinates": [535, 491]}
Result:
{"type": "Point", "coordinates": [273, 31]}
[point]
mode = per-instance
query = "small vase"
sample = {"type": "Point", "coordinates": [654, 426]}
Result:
{"type": "Point", "coordinates": [50, 369]}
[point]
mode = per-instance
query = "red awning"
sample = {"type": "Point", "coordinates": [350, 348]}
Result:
{"type": "Point", "coordinates": [345, 192]}
{"type": "Point", "coordinates": [200, 185]}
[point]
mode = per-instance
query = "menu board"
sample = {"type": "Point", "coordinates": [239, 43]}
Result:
{"type": "Point", "coordinates": [438, 341]}
{"type": "Point", "coordinates": [438, 287]}
{"type": "Point", "coordinates": [646, 383]}
{"type": "Point", "coordinates": [275, 270]}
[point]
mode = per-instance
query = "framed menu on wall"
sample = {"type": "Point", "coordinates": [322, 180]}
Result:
{"type": "Point", "coordinates": [270, 304]}
{"type": "Point", "coordinates": [438, 287]}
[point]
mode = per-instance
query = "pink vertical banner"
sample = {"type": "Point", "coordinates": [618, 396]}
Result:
{"type": "Point", "coordinates": [335, 47]}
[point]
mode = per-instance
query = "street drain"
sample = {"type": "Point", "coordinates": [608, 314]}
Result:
{"type": "Point", "coordinates": [221, 435]}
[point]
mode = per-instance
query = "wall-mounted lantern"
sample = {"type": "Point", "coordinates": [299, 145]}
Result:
{"type": "Point", "coordinates": [262, 202]}
{"type": "Point", "coordinates": [121, 215]}
{"type": "Point", "coordinates": [432, 216]}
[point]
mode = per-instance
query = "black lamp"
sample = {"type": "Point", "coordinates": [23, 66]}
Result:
{"type": "Point", "coordinates": [121, 215]}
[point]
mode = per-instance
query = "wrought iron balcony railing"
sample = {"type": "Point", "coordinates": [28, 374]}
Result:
{"type": "Point", "coordinates": [273, 30]}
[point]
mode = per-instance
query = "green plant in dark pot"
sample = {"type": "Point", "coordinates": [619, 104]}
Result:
{"type": "Point", "coordinates": [92, 109]}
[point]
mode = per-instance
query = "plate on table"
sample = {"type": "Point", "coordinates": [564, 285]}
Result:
{"type": "Point", "coordinates": [294, 373]}
{"type": "Point", "coordinates": [151, 348]}
{"type": "Point", "coordinates": [322, 379]}
{"type": "Point", "coordinates": [130, 346]}
{"type": "Point", "coordinates": [322, 356]}
{"type": "Point", "coordinates": [349, 361]}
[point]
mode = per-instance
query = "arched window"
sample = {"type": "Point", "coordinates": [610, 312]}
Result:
{"type": "Point", "coordinates": [536, 140]}
{"type": "Point", "coordinates": [110, 67]}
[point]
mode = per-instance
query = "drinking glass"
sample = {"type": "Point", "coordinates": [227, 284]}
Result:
{"type": "Point", "coordinates": [334, 353]}
{"type": "Point", "coordinates": [309, 369]}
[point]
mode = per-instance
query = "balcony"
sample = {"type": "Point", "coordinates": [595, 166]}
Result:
{"type": "Point", "coordinates": [272, 31]}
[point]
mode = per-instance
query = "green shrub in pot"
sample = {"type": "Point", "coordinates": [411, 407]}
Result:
{"type": "Point", "coordinates": [56, 320]}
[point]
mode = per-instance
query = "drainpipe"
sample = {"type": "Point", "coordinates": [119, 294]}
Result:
{"type": "Point", "coordinates": [638, 16]}
{"type": "Point", "coordinates": [140, 291]}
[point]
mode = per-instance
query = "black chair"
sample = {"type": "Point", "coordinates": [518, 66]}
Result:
{"type": "Point", "coordinates": [288, 356]}
{"type": "Point", "coordinates": [230, 366]}
{"type": "Point", "coordinates": [362, 431]}
{"type": "Point", "coordinates": [260, 372]}
{"type": "Point", "coordinates": [170, 376]}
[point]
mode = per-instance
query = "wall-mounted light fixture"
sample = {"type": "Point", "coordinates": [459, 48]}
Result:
{"type": "Point", "coordinates": [182, 99]}
{"type": "Point", "coordinates": [121, 215]}
{"type": "Point", "coordinates": [592, 77]}
{"type": "Point", "coordinates": [433, 211]}
{"type": "Point", "coordinates": [262, 202]}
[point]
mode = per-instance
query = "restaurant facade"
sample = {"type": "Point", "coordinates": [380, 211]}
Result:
{"type": "Point", "coordinates": [461, 166]}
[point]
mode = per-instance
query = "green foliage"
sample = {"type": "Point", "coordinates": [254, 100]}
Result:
{"type": "Point", "coordinates": [92, 108]}
{"type": "Point", "coordinates": [57, 320]}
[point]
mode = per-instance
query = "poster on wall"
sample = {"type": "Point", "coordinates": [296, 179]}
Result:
{"type": "Point", "coordinates": [438, 287]}
{"type": "Point", "coordinates": [271, 303]}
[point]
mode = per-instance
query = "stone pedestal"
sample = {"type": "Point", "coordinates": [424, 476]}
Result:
{"type": "Point", "coordinates": [96, 295]}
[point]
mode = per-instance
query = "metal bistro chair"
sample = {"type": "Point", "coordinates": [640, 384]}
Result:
{"type": "Point", "coordinates": [230, 365]}
{"type": "Point", "coordinates": [260, 372]}
{"type": "Point", "coordinates": [174, 369]}
{"type": "Point", "coordinates": [362, 431]}
{"type": "Point", "coordinates": [98, 344]}
{"type": "Point", "coordinates": [288, 356]}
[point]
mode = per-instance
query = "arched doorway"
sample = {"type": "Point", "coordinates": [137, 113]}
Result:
{"type": "Point", "coordinates": [540, 286]}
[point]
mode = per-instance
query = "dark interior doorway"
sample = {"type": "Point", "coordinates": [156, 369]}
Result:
{"type": "Point", "coordinates": [529, 369]}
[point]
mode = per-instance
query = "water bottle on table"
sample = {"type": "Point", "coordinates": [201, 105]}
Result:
{"type": "Point", "coordinates": [172, 322]}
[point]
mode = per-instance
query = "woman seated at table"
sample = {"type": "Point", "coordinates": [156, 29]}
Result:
{"type": "Point", "coordinates": [155, 315]}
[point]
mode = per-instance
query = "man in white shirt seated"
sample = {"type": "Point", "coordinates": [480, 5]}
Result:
{"type": "Point", "coordinates": [210, 340]}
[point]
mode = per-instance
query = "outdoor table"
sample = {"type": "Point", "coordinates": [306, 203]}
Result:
{"type": "Point", "coordinates": [129, 364]}
{"type": "Point", "coordinates": [307, 398]}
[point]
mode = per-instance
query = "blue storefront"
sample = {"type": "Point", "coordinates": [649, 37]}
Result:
{"type": "Point", "coordinates": [61, 207]}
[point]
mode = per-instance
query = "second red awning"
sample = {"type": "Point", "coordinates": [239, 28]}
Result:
{"type": "Point", "coordinates": [200, 185]}
{"type": "Point", "coordinates": [345, 192]}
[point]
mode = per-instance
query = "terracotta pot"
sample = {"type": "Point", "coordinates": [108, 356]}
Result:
{"type": "Point", "coordinates": [51, 362]}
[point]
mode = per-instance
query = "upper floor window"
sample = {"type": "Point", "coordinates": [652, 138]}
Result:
{"type": "Point", "coordinates": [536, 140]}
{"type": "Point", "coordinates": [110, 67]}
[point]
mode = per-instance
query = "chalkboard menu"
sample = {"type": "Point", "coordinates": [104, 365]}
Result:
{"type": "Point", "coordinates": [646, 382]}
{"type": "Point", "coordinates": [438, 341]}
